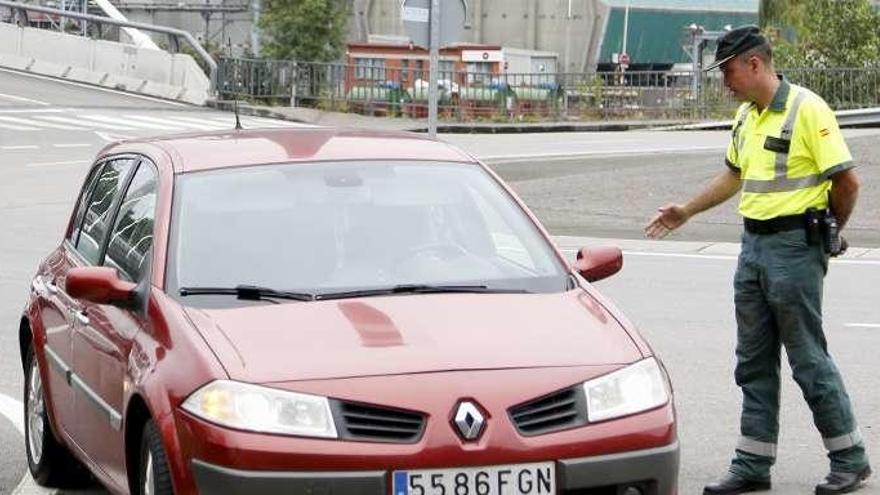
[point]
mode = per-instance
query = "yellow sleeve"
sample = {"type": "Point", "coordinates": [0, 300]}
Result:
{"type": "Point", "coordinates": [824, 139]}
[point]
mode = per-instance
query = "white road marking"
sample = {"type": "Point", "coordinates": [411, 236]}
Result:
{"type": "Point", "coordinates": [13, 410]}
{"type": "Point", "coordinates": [52, 164]}
{"type": "Point", "coordinates": [12, 127]}
{"type": "Point", "coordinates": [35, 110]}
{"type": "Point", "coordinates": [110, 138]}
{"type": "Point", "coordinates": [32, 122]}
{"type": "Point", "coordinates": [20, 147]}
{"type": "Point", "coordinates": [96, 88]}
{"type": "Point", "coordinates": [698, 256]}
{"type": "Point", "coordinates": [121, 123]}
{"type": "Point", "coordinates": [21, 98]}
{"type": "Point", "coordinates": [573, 155]}
{"type": "Point", "coordinates": [101, 121]}
{"type": "Point", "coordinates": [200, 122]}
{"type": "Point", "coordinates": [72, 145]}
{"type": "Point", "coordinates": [863, 325]}
{"type": "Point", "coordinates": [165, 123]}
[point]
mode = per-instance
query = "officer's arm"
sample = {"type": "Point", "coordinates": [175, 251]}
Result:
{"type": "Point", "coordinates": [673, 216]}
{"type": "Point", "coordinates": [723, 187]}
{"type": "Point", "coordinates": [844, 192]}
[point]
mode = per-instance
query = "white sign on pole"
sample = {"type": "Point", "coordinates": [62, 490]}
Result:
{"type": "Point", "coordinates": [415, 14]}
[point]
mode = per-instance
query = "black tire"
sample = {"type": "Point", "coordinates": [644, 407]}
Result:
{"type": "Point", "coordinates": [54, 465]}
{"type": "Point", "coordinates": [153, 471]}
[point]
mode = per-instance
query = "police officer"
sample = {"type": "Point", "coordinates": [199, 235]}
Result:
{"type": "Point", "coordinates": [788, 157]}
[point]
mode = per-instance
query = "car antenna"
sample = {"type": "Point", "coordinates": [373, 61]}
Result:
{"type": "Point", "coordinates": [237, 119]}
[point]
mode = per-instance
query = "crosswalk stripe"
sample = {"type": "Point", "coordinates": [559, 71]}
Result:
{"type": "Point", "coordinates": [182, 123]}
{"type": "Point", "coordinates": [199, 123]}
{"type": "Point", "coordinates": [11, 127]}
{"type": "Point", "coordinates": [136, 119]}
{"type": "Point", "coordinates": [28, 122]}
{"type": "Point", "coordinates": [79, 122]}
{"type": "Point", "coordinates": [122, 123]}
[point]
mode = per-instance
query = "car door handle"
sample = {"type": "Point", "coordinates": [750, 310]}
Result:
{"type": "Point", "coordinates": [81, 317]}
{"type": "Point", "coordinates": [53, 289]}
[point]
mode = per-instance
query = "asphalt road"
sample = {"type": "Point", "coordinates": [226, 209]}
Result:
{"type": "Point", "coordinates": [598, 185]}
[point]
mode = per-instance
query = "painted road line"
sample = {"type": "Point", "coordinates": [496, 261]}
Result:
{"type": "Point", "coordinates": [34, 110]}
{"type": "Point", "coordinates": [12, 410]}
{"type": "Point", "coordinates": [86, 126]}
{"type": "Point", "coordinates": [20, 147]}
{"type": "Point", "coordinates": [32, 122]}
{"type": "Point", "coordinates": [23, 99]}
{"type": "Point", "coordinates": [72, 145]}
{"type": "Point", "coordinates": [167, 124]}
{"type": "Point", "coordinates": [863, 325]}
{"type": "Point", "coordinates": [202, 122]}
{"type": "Point", "coordinates": [120, 123]}
{"type": "Point", "coordinates": [96, 88]}
{"type": "Point", "coordinates": [573, 155]}
{"type": "Point", "coordinates": [54, 164]}
{"type": "Point", "coordinates": [697, 256]}
{"type": "Point", "coordinates": [11, 127]}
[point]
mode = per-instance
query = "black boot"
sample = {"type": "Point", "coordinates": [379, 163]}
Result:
{"type": "Point", "coordinates": [839, 482]}
{"type": "Point", "coordinates": [732, 484]}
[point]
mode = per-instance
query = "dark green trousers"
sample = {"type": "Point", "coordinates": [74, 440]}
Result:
{"type": "Point", "coordinates": [778, 295]}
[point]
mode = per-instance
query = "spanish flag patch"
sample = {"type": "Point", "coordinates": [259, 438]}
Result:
{"type": "Point", "coordinates": [824, 132]}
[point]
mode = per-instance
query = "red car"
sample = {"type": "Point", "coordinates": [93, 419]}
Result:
{"type": "Point", "coordinates": [330, 311]}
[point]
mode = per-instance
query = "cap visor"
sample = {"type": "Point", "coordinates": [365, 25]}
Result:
{"type": "Point", "coordinates": [718, 63]}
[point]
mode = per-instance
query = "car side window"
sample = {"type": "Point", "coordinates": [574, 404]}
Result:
{"type": "Point", "coordinates": [98, 215]}
{"type": "Point", "coordinates": [82, 204]}
{"type": "Point", "coordinates": [132, 236]}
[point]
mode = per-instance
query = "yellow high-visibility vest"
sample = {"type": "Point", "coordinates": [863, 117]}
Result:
{"type": "Point", "coordinates": [786, 155]}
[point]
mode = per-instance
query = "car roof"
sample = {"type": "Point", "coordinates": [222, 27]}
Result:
{"type": "Point", "coordinates": [235, 148]}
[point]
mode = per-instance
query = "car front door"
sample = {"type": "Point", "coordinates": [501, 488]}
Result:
{"type": "Point", "coordinates": [56, 314]}
{"type": "Point", "coordinates": [104, 334]}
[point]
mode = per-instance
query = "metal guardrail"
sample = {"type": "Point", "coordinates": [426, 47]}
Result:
{"type": "Point", "coordinates": [174, 34]}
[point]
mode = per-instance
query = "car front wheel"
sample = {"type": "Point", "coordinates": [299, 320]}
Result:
{"type": "Point", "coordinates": [155, 477]}
{"type": "Point", "coordinates": [50, 463]}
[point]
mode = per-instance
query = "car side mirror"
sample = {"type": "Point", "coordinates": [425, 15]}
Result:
{"type": "Point", "coordinates": [597, 263]}
{"type": "Point", "coordinates": [100, 285]}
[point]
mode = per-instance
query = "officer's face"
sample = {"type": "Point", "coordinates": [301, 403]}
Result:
{"type": "Point", "coordinates": [739, 76]}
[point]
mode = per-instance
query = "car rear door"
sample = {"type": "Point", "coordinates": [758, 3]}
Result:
{"type": "Point", "coordinates": [104, 334]}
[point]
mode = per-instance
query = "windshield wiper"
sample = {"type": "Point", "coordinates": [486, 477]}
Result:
{"type": "Point", "coordinates": [247, 293]}
{"type": "Point", "coordinates": [418, 289]}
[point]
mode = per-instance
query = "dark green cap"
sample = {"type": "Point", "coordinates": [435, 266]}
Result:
{"type": "Point", "coordinates": [735, 42]}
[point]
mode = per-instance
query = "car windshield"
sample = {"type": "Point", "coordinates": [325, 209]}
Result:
{"type": "Point", "coordinates": [325, 228]}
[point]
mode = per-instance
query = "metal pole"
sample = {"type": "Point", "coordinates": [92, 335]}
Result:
{"type": "Point", "coordinates": [565, 70]}
{"type": "Point", "coordinates": [255, 28]}
{"type": "Point", "coordinates": [434, 68]}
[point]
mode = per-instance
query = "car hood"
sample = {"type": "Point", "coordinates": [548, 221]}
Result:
{"type": "Point", "coordinates": [412, 334]}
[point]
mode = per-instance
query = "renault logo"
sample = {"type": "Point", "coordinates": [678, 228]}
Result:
{"type": "Point", "coordinates": [469, 420]}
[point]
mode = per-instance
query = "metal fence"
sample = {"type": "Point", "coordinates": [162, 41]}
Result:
{"type": "Point", "coordinates": [482, 96]}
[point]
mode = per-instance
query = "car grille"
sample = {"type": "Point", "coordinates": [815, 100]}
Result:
{"type": "Point", "coordinates": [558, 411]}
{"type": "Point", "coordinates": [356, 421]}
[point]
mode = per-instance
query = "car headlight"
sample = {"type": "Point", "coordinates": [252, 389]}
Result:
{"type": "Point", "coordinates": [262, 409]}
{"type": "Point", "coordinates": [636, 388]}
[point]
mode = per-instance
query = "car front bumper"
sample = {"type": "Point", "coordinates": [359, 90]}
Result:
{"type": "Point", "coordinates": [651, 471]}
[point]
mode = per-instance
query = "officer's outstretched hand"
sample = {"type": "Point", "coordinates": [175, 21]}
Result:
{"type": "Point", "coordinates": [668, 218]}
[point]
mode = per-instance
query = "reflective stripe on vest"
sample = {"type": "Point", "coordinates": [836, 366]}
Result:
{"type": "Point", "coordinates": [781, 182]}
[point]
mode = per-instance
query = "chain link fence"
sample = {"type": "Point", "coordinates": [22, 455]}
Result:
{"type": "Point", "coordinates": [478, 96]}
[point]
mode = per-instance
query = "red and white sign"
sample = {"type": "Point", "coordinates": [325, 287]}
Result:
{"type": "Point", "coordinates": [481, 56]}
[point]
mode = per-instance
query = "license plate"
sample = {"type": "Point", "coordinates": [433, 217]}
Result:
{"type": "Point", "coordinates": [518, 479]}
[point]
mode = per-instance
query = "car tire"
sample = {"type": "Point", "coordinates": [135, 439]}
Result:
{"type": "Point", "coordinates": [155, 475]}
{"type": "Point", "coordinates": [50, 463]}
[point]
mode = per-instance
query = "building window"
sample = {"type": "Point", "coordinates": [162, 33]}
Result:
{"type": "Point", "coordinates": [372, 69]}
{"type": "Point", "coordinates": [480, 72]}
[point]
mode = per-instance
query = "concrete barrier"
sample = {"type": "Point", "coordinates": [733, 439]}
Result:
{"type": "Point", "coordinates": [103, 63]}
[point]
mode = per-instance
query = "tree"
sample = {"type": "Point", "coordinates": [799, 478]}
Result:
{"type": "Point", "coordinates": [304, 30]}
{"type": "Point", "coordinates": [832, 33]}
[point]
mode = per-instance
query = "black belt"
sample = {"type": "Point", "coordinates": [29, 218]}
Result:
{"type": "Point", "coordinates": [778, 224]}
